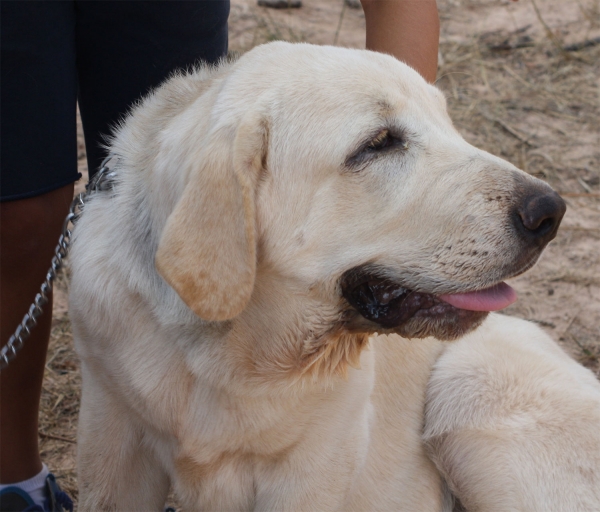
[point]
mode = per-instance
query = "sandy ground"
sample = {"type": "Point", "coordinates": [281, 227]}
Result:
{"type": "Point", "coordinates": [518, 86]}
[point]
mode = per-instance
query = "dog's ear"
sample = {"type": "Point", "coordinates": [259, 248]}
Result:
{"type": "Point", "coordinates": [207, 251]}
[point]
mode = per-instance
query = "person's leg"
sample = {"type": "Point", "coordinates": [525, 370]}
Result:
{"type": "Point", "coordinates": [124, 49]}
{"type": "Point", "coordinates": [30, 230]}
{"type": "Point", "coordinates": [38, 170]}
{"type": "Point", "coordinates": [408, 30]}
{"type": "Point", "coordinates": [117, 65]}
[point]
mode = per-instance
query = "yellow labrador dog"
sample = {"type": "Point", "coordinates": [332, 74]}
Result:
{"type": "Point", "coordinates": [283, 304]}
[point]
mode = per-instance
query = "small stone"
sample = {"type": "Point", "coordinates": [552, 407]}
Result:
{"type": "Point", "coordinates": [280, 4]}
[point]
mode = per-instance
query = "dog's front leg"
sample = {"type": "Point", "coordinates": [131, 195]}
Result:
{"type": "Point", "coordinates": [513, 423]}
{"type": "Point", "coordinates": [116, 471]}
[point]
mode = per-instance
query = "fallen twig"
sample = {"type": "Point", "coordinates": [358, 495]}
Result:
{"type": "Point", "coordinates": [580, 194]}
{"type": "Point", "coordinates": [553, 39]}
{"type": "Point", "coordinates": [339, 26]}
{"type": "Point", "coordinates": [507, 128]}
{"type": "Point", "coordinates": [543, 323]}
{"type": "Point", "coordinates": [575, 47]}
{"type": "Point", "coordinates": [586, 351]}
{"type": "Point", "coordinates": [56, 438]}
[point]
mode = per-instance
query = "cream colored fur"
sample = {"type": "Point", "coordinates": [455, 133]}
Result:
{"type": "Point", "coordinates": [237, 382]}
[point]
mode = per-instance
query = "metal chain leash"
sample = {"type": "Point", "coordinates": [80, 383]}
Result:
{"type": "Point", "coordinates": [102, 180]}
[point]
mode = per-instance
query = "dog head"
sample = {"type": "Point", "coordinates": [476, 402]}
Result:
{"type": "Point", "coordinates": [341, 172]}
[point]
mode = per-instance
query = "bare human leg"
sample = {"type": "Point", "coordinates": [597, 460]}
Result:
{"type": "Point", "coordinates": [29, 232]}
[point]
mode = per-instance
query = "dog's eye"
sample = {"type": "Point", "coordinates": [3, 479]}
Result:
{"type": "Point", "coordinates": [385, 140]}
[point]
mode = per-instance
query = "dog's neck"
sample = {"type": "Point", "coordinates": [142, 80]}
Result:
{"type": "Point", "coordinates": [280, 367]}
{"type": "Point", "coordinates": [288, 335]}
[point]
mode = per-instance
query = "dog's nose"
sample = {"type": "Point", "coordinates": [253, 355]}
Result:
{"type": "Point", "coordinates": [538, 216]}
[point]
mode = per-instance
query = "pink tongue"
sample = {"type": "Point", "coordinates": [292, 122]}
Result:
{"type": "Point", "coordinates": [497, 297]}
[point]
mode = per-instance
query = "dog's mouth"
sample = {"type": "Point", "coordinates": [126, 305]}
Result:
{"type": "Point", "coordinates": [389, 306]}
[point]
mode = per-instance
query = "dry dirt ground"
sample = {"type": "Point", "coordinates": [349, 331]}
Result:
{"type": "Point", "coordinates": [522, 82]}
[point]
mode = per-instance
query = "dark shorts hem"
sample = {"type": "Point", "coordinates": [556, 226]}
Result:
{"type": "Point", "coordinates": [39, 192]}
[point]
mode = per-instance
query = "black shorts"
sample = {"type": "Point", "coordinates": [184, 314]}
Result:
{"type": "Point", "coordinates": [104, 54]}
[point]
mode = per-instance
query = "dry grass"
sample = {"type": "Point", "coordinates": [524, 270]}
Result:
{"type": "Point", "coordinates": [521, 92]}
{"type": "Point", "coordinates": [60, 406]}
{"type": "Point", "coordinates": [528, 102]}
{"type": "Point", "coordinates": [513, 91]}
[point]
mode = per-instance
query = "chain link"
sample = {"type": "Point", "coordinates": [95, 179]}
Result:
{"type": "Point", "coordinates": [102, 180]}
